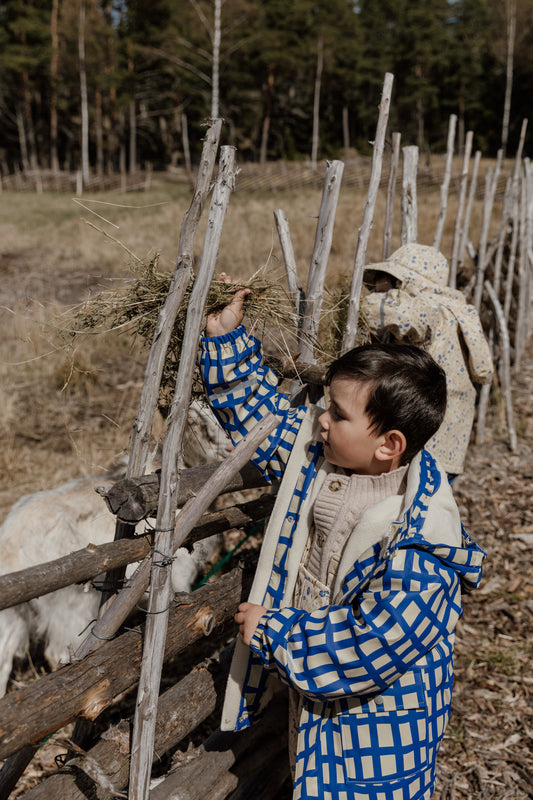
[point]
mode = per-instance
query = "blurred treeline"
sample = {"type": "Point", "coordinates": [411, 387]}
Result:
{"type": "Point", "coordinates": [119, 83]}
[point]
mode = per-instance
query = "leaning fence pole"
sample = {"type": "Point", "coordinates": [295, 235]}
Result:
{"type": "Point", "coordinates": [319, 261]}
{"type": "Point", "coordinates": [142, 427]}
{"type": "Point", "coordinates": [444, 189]}
{"type": "Point", "coordinates": [469, 205]}
{"type": "Point", "coordinates": [364, 231]}
{"type": "Point", "coordinates": [520, 333]}
{"type": "Point", "coordinates": [295, 290]}
{"type": "Point", "coordinates": [391, 196]}
{"type": "Point", "coordinates": [458, 228]}
{"type": "Point", "coordinates": [409, 195]}
{"type": "Point", "coordinates": [491, 182]}
{"type": "Point", "coordinates": [505, 367]}
{"type": "Point", "coordinates": [502, 236]}
{"type": "Point", "coordinates": [509, 278]}
{"type": "Point", "coordinates": [160, 581]}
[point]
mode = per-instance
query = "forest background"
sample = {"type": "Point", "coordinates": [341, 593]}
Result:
{"type": "Point", "coordinates": [110, 85]}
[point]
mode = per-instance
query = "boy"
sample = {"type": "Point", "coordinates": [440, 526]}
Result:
{"type": "Point", "coordinates": [357, 590]}
{"type": "Point", "coordinates": [412, 302]}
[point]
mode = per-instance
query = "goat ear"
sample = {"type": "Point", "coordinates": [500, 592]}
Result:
{"type": "Point", "coordinates": [392, 446]}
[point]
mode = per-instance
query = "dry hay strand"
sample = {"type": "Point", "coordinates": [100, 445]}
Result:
{"type": "Point", "coordinates": [135, 309]}
{"type": "Point", "coordinates": [268, 310]}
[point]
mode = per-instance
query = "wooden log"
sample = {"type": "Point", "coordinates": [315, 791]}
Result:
{"type": "Point", "coordinates": [142, 427]}
{"type": "Point", "coordinates": [83, 565]}
{"type": "Point", "coordinates": [445, 186]}
{"type": "Point", "coordinates": [352, 317]}
{"type": "Point", "coordinates": [409, 196]}
{"type": "Point", "coordinates": [78, 567]}
{"type": "Point", "coordinates": [86, 688]}
{"type": "Point", "coordinates": [134, 499]}
{"type": "Point", "coordinates": [180, 710]}
{"type": "Point", "coordinates": [200, 771]}
{"type": "Point", "coordinates": [458, 227]}
{"type": "Point", "coordinates": [391, 196]}
{"type": "Point", "coordinates": [319, 261]}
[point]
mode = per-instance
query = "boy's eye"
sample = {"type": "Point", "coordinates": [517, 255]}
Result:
{"type": "Point", "coordinates": [335, 413]}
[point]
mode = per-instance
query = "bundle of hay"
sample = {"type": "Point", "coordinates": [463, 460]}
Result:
{"type": "Point", "coordinates": [269, 314]}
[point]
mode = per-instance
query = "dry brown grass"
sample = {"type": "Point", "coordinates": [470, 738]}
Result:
{"type": "Point", "coordinates": [67, 406]}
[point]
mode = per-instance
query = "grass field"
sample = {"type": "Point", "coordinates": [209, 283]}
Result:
{"type": "Point", "coordinates": [67, 407]}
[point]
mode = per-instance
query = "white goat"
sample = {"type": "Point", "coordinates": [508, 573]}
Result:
{"type": "Point", "coordinates": [49, 524]}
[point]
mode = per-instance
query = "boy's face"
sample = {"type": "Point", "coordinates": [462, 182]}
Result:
{"type": "Point", "coordinates": [348, 441]}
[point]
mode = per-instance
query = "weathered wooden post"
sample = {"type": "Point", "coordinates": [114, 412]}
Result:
{"type": "Point", "coordinates": [364, 231]}
{"type": "Point", "coordinates": [491, 182]}
{"type": "Point", "coordinates": [142, 427]}
{"type": "Point", "coordinates": [444, 189]}
{"type": "Point", "coordinates": [409, 195]}
{"type": "Point", "coordinates": [505, 367]}
{"type": "Point", "coordinates": [468, 212]}
{"type": "Point", "coordinates": [295, 290]}
{"type": "Point", "coordinates": [458, 228]}
{"type": "Point", "coordinates": [319, 261]}
{"type": "Point", "coordinates": [160, 588]}
{"type": "Point", "coordinates": [391, 196]}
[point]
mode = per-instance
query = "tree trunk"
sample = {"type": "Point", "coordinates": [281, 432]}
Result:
{"type": "Point", "coordinates": [132, 118]}
{"type": "Point", "coordinates": [216, 62]}
{"type": "Point", "coordinates": [84, 102]}
{"type": "Point", "coordinates": [54, 159]}
{"type": "Point", "coordinates": [268, 114]}
{"type": "Point", "coordinates": [511, 33]}
{"type": "Point", "coordinates": [316, 102]}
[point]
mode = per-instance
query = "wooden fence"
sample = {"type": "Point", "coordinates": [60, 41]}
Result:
{"type": "Point", "coordinates": [113, 660]}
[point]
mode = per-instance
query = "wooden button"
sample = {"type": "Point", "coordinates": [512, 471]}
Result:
{"type": "Point", "coordinates": [334, 486]}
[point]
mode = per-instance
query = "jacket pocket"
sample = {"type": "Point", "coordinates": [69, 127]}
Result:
{"type": "Point", "coordinates": [386, 737]}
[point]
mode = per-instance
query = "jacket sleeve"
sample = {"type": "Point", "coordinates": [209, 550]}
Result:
{"type": "Point", "coordinates": [480, 365]}
{"type": "Point", "coordinates": [405, 317]}
{"type": "Point", "coordinates": [241, 390]}
{"type": "Point", "coordinates": [362, 648]}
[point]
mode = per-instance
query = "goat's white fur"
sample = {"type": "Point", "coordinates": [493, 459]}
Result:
{"type": "Point", "coordinates": [52, 523]}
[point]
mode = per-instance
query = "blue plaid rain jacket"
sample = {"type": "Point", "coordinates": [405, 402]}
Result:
{"type": "Point", "coordinates": [374, 667]}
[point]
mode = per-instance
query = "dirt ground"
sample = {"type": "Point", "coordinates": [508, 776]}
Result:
{"type": "Point", "coordinates": [487, 752]}
{"type": "Point", "coordinates": [488, 747]}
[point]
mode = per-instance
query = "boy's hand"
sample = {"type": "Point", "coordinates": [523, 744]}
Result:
{"type": "Point", "coordinates": [231, 315]}
{"type": "Point", "coordinates": [247, 618]}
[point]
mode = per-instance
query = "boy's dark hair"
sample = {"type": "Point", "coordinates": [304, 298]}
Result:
{"type": "Point", "coordinates": [408, 389]}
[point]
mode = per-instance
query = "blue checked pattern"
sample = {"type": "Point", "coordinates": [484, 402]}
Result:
{"type": "Point", "coordinates": [374, 668]}
{"type": "Point", "coordinates": [241, 390]}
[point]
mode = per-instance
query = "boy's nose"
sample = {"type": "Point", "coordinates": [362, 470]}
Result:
{"type": "Point", "coordinates": [323, 420]}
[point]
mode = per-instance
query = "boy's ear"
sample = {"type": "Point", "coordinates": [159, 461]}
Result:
{"type": "Point", "coordinates": [392, 446]}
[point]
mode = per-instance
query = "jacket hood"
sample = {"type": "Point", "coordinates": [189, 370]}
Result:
{"type": "Point", "coordinates": [414, 264]}
{"type": "Point", "coordinates": [466, 561]}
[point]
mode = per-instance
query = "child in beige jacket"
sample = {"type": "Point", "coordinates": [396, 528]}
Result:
{"type": "Point", "coordinates": [412, 303]}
